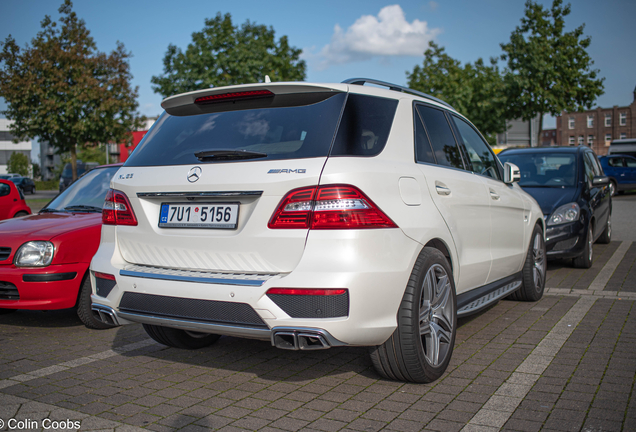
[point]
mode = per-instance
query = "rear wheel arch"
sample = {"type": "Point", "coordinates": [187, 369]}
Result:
{"type": "Point", "coordinates": [441, 246]}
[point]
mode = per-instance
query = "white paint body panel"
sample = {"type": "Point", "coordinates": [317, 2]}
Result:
{"type": "Point", "coordinates": [485, 239]}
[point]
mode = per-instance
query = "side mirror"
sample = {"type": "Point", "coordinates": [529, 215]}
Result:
{"type": "Point", "coordinates": [599, 181]}
{"type": "Point", "coordinates": [511, 173]}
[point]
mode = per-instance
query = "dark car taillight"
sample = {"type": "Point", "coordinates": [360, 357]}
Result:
{"type": "Point", "coordinates": [328, 207]}
{"type": "Point", "coordinates": [117, 209]}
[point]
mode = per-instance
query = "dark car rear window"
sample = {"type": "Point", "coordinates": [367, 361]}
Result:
{"type": "Point", "coordinates": [291, 132]}
{"type": "Point", "coordinates": [365, 126]}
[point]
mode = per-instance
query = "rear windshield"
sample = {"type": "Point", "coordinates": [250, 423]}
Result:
{"type": "Point", "coordinates": [544, 170]}
{"type": "Point", "coordinates": [280, 133]}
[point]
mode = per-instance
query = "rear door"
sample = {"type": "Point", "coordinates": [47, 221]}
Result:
{"type": "Point", "coordinates": [460, 196]}
{"type": "Point", "coordinates": [235, 160]}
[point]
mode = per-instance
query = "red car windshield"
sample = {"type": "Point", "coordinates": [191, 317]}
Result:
{"type": "Point", "coordinates": [86, 194]}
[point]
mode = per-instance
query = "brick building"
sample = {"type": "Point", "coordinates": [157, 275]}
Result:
{"type": "Point", "coordinates": [598, 127]}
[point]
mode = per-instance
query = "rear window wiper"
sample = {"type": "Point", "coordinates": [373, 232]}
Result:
{"type": "Point", "coordinates": [227, 154]}
{"type": "Point", "coordinates": [83, 208]}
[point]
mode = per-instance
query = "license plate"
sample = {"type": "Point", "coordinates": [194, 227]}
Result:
{"type": "Point", "coordinates": [200, 215]}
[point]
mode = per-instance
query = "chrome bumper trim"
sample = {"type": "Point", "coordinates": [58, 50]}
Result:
{"type": "Point", "coordinates": [241, 279]}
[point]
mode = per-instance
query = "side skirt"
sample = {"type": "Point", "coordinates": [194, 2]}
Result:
{"type": "Point", "coordinates": [477, 299]}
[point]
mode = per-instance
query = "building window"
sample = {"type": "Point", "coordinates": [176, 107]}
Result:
{"type": "Point", "coordinates": [571, 123]}
{"type": "Point", "coordinates": [590, 121]}
{"type": "Point", "coordinates": [571, 142]}
{"type": "Point", "coordinates": [623, 135]}
{"type": "Point", "coordinates": [608, 120]}
{"type": "Point", "coordinates": [581, 140]}
{"type": "Point", "coordinates": [623, 119]}
{"type": "Point", "coordinates": [590, 140]}
{"type": "Point", "coordinates": [608, 139]}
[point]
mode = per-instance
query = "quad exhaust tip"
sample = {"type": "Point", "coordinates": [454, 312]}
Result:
{"type": "Point", "coordinates": [299, 340]}
{"type": "Point", "coordinates": [105, 314]}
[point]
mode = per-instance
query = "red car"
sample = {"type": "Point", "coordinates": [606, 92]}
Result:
{"type": "Point", "coordinates": [12, 202]}
{"type": "Point", "coordinates": [44, 257]}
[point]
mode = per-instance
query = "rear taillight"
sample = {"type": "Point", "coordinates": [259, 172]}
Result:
{"type": "Point", "coordinates": [306, 291]}
{"type": "Point", "coordinates": [117, 209]}
{"type": "Point", "coordinates": [105, 276]}
{"type": "Point", "coordinates": [328, 207]}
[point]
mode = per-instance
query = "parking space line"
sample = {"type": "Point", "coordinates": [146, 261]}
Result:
{"type": "Point", "coordinates": [498, 409]}
{"type": "Point", "coordinates": [39, 373]}
{"type": "Point", "coordinates": [610, 267]}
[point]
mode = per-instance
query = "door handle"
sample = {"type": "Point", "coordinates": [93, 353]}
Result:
{"type": "Point", "coordinates": [494, 195]}
{"type": "Point", "coordinates": [442, 189]}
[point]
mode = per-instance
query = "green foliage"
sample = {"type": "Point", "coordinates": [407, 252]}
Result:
{"type": "Point", "coordinates": [92, 154]}
{"type": "Point", "coordinates": [18, 163]}
{"type": "Point", "coordinates": [46, 185]}
{"type": "Point", "coordinates": [475, 90]}
{"type": "Point", "coordinates": [223, 54]}
{"type": "Point", "coordinates": [61, 89]}
{"type": "Point", "coordinates": [549, 69]}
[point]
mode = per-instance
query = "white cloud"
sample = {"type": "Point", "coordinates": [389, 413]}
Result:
{"type": "Point", "coordinates": [388, 34]}
{"type": "Point", "coordinates": [433, 5]}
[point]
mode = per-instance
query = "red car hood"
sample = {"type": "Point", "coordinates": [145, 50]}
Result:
{"type": "Point", "coordinates": [44, 226]}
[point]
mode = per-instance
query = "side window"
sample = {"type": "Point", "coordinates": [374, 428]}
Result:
{"type": "Point", "coordinates": [442, 139]}
{"type": "Point", "coordinates": [479, 153]}
{"type": "Point", "coordinates": [589, 167]}
{"type": "Point", "coordinates": [630, 162]}
{"type": "Point", "coordinates": [423, 150]}
{"type": "Point", "coordinates": [615, 162]}
{"type": "Point", "coordinates": [5, 189]}
{"type": "Point", "coordinates": [365, 126]}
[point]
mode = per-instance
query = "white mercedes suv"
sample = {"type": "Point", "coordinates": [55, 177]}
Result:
{"type": "Point", "coordinates": [315, 216]}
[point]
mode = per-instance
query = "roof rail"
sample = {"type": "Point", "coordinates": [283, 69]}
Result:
{"type": "Point", "coordinates": [394, 87]}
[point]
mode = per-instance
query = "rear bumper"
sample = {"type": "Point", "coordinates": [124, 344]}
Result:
{"type": "Point", "coordinates": [372, 265]}
{"type": "Point", "coordinates": [47, 288]}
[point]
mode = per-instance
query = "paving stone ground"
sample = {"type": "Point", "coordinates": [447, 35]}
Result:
{"type": "Point", "coordinates": [516, 367]}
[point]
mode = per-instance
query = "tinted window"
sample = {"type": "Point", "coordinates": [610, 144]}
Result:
{"type": "Point", "coordinates": [5, 189]}
{"type": "Point", "coordinates": [281, 133]}
{"type": "Point", "coordinates": [478, 151]}
{"type": "Point", "coordinates": [441, 137]}
{"type": "Point", "coordinates": [630, 162]}
{"type": "Point", "coordinates": [615, 162]}
{"type": "Point", "coordinates": [544, 169]}
{"type": "Point", "coordinates": [365, 126]}
{"type": "Point", "coordinates": [423, 150]}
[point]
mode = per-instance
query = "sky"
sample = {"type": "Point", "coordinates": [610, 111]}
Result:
{"type": "Point", "coordinates": [340, 39]}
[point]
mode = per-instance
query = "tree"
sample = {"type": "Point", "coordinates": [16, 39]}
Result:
{"type": "Point", "coordinates": [223, 54]}
{"type": "Point", "coordinates": [549, 70]}
{"type": "Point", "coordinates": [18, 163]}
{"type": "Point", "coordinates": [475, 90]}
{"type": "Point", "coordinates": [61, 89]}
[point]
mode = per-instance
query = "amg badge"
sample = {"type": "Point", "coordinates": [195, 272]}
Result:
{"type": "Point", "coordinates": [287, 171]}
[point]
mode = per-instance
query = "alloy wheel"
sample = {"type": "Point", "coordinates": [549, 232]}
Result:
{"type": "Point", "coordinates": [436, 315]}
{"type": "Point", "coordinates": [539, 262]}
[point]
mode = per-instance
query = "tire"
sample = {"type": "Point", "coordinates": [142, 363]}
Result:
{"type": "Point", "coordinates": [33, 191]}
{"type": "Point", "coordinates": [84, 311]}
{"type": "Point", "coordinates": [534, 269]}
{"type": "Point", "coordinates": [180, 338]}
{"type": "Point", "coordinates": [586, 258]}
{"type": "Point", "coordinates": [20, 214]}
{"type": "Point", "coordinates": [606, 235]}
{"type": "Point", "coordinates": [422, 345]}
{"type": "Point", "coordinates": [613, 188]}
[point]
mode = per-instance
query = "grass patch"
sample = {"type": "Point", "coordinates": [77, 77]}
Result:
{"type": "Point", "coordinates": [37, 204]}
{"type": "Point", "coordinates": [47, 185]}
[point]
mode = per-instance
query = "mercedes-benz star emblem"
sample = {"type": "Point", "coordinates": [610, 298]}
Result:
{"type": "Point", "coordinates": [194, 174]}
